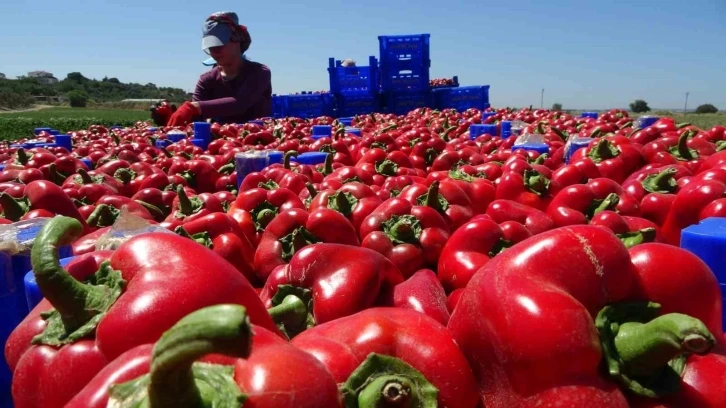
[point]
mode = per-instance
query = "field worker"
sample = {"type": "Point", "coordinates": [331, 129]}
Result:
{"type": "Point", "coordinates": [235, 90]}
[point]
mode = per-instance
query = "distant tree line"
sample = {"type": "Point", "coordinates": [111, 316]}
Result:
{"type": "Point", "coordinates": [18, 93]}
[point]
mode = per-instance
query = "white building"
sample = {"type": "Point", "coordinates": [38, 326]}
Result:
{"type": "Point", "coordinates": [43, 76]}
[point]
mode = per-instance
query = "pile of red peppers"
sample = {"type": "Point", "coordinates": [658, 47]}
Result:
{"type": "Point", "coordinates": [416, 267]}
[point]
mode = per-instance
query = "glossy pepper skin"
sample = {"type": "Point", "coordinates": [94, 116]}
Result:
{"type": "Point", "coordinates": [593, 312]}
{"type": "Point", "coordinates": [186, 209]}
{"type": "Point", "coordinates": [324, 282]}
{"type": "Point", "coordinates": [480, 190]}
{"type": "Point", "coordinates": [423, 293]}
{"type": "Point", "coordinates": [703, 197]}
{"type": "Point", "coordinates": [42, 196]}
{"type": "Point", "coordinates": [615, 160]}
{"type": "Point", "coordinates": [445, 197]}
{"type": "Point", "coordinates": [534, 220]}
{"type": "Point", "coordinates": [294, 229]}
{"type": "Point", "coordinates": [473, 245]}
{"type": "Point", "coordinates": [254, 209]}
{"type": "Point", "coordinates": [254, 368]}
{"type": "Point", "coordinates": [530, 188]}
{"type": "Point", "coordinates": [390, 348]}
{"type": "Point", "coordinates": [45, 379]}
{"type": "Point", "coordinates": [221, 233]}
{"type": "Point", "coordinates": [411, 236]}
{"type": "Point", "coordinates": [199, 174]}
{"type": "Point", "coordinates": [684, 149]}
{"type": "Point", "coordinates": [147, 274]}
{"type": "Point", "coordinates": [354, 200]}
{"type": "Point", "coordinates": [577, 204]}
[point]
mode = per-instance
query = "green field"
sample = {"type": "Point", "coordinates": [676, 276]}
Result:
{"type": "Point", "coordinates": [17, 125]}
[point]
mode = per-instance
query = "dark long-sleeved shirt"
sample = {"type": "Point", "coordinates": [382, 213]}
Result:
{"type": "Point", "coordinates": [246, 97]}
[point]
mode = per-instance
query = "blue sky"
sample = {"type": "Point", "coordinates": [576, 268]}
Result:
{"type": "Point", "coordinates": [586, 54]}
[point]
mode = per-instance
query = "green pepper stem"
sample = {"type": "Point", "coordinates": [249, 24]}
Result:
{"type": "Point", "coordinates": [328, 165]}
{"type": "Point", "coordinates": [85, 177]}
{"type": "Point", "coordinates": [646, 348]}
{"type": "Point", "coordinates": [603, 150]}
{"type": "Point", "coordinates": [682, 148]}
{"type": "Point", "coordinates": [222, 329]}
{"type": "Point", "coordinates": [291, 312]}
{"type": "Point", "coordinates": [23, 157]}
{"type": "Point", "coordinates": [432, 197]}
{"type": "Point", "coordinates": [103, 215]}
{"type": "Point", "coordinates": [125, 175]}
{"type": "Point", "coordinates": [311, 190]}
{"type": "Point", "coordinates": [663, 182]}
{"type": "Point", "coordinates": [342, 202]}
{"type": "Point", "coordinates": [67, 295]}
{"type": "Point", "coordinates": [288, 156]}
{"type": "Point", "coordinates": [12, 209]}
{"type": "Point", "coordinates": [185, 204]}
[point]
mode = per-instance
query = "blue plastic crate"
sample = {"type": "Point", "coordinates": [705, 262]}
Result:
{"type": "Point", "coordinates": [278, 106]}
{"type": "Point", "coordinates": [410, 75]}
{"type": "Point", "coordinates": [352, 105]}
{"type": "Point", "coordinates": [353, 80]}
{"type": "Point", "coordinates": [308, 105]}
{"type": "Point", "coordinates": [462, 98]}
{"type": "Point", "coordinates": [401, 103]}
{"type": "Point", "coordinates": [404, 47]}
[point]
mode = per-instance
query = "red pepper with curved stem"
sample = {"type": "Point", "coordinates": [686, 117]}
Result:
{"type": "Point", "coordinates": [296, 182]}
{"type": "Point", "coordinates": [579, 172]}
{"type": "Point", "coordinates": [579, 203]}
{"type": "Point", "coordinates": [156, 198]}
{"type": "Point", "coordinates": [473, 245]}
{"type": "Point", "coordinates": [425, 153]}
{"type": "Point", "coordinates": [133, 177]}
{"type": "Point", "coordinates": [138, 208]}
{"type": "Point", "coordinates": [581, 280]}
{"type": "Point", "coordinates": [34, 158]}
{"type": "Point", "coordinates": [350, 174]}
{"type": "Point", "coordinates": [257, 180]}
{"type": "Point", "coordinates": [423, 293]}
{"type": "Point", "coordinates": [254, 209]}
{"type": "Point", "coordinates": [632, 231]}
{"type": "Point", "coordinates": [241, 362]}
{"type": "Point", "coordinates": [355, 201]}
{"type": "Point", "coordinates": [221, 233]}
{"type": "Point", "coordinates": [615, 161]}
{"type": "Point", "coordinates": [102, 315]}
{"type": "Point", "coordinates": [338, 149]}
{"type": "Point", "coordinates": [530, 188]}
{"type": "Point", "coordinates": [662, 180]}
{"type": "Point", "coordinates": [62, 168]}
{"type": "Point", "coordinates": [277, 171]}
{"type": "Point", "coordinates": [627, 204]}
{"type": "Point", "coordinates": [452, 159]}
{"type": "Point", "coordinates": [295, 229]}
{"type": "Point", "coordinates": [445, 197]}
{"type": "Point", "coordinates": [379, 351]}
{"type": "Point", "coordinates": [411, 236]}
{"type": "Point", "coordinates": [685, 149]}
{"type": "Point", "coordinates": [324, 282]}
{"type": "Point", "coordinates": [83, 178]}
{"type": "Point", "coordinates": [39, 195]}
{"type": "Point", "coordinates": [481, 192]}
{"type": "Point", "coordinates": [186, 209]}
{"type": "Point", "coordinates": [491, 171]}
{"type": "Point", "coordinates": [200, 175]}
{"type": "Point", "coordinates": [534, 220]}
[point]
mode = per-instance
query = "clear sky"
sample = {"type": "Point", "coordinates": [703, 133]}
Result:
{"type": "Point", "coordinates": [586, 54]}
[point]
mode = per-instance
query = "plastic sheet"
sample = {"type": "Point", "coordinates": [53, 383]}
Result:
{"type": "Point", "coordinates": [126, 227]}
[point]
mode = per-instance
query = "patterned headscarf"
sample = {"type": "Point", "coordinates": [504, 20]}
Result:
{"type": "Point", "coordinates": [240, 34]}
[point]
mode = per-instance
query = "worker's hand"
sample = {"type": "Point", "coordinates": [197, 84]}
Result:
{"type": "Point", "coordinates": [161, 112]}
{"type": "Point", "coordinates": [185, 114]}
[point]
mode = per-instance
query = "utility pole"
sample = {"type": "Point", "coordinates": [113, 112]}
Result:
{"type": "Point", "coordinates": [541, 100]}
{"type": "Point", "coordinates": [685, 108]}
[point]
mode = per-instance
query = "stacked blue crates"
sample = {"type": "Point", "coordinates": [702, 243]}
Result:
{"type": "Point", "coordinates": [355, 88]}
{"type": "Point", "coordinates": [309, 105]}
{"type": "Point", "coordinates": [462, 98]}
{"type": "Point", "coordinates": [278, 106]}
{"type": "Point", "coordinates": [405, 62]}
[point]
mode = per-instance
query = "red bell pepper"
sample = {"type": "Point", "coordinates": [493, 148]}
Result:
{"type": "Point", "coordinates": [662, 180]}
{"type": "Point", "coordinates": [249, 367]}
{"type": "Point", "coordinates": [443, 196]}
{"type": "Point", "coordinates": [295, 229]}
{"type": "Point", "coordinates": [578, 293]}
{"type": "Point", "coordinates": [221, 233]}
{"type": "Point", "coordinates": [133, 177]}
{"type": "Point", "coordinates": [163, 200]}
{"type": "Point", "coordinates": [199, 174]}
{"type": "Point", "coordinates": [254, 209]}
{"type": "Point", "coordinates": [257, 180]}
{"type": "Point", "coordinates": [354, 200]}
{"type": "Point", "coordinates": [383, 357]}
{"type": "Point", "coordinates": [578, 203]}
{"type": "Point", "coordinates": [473, 245]}
{"type": "Point", "coordinates": [185, 209]}
{"type": "Point", "coordinates": [424, 153]}
{"type": "Point", "coordinates": [684, 149]}
{"type": "Point", "coordinates": [351, 174]}
{"type": "Point", "coordinates": [92, 185]}
{"type": "Point", "coordinates": [579, 172]}
{"type": "Point", "coordinates": [324, 282]}
{"type": "Point", "coordinates": [36, 159]}
{"type": "Point", "coordinates": [481, 192]}
{"type": "Point", "coordinates": [25, 176]}
{"type": "Point", "coordinates": [411, 236]}
{"type": "Point", "coordinates": [534, 220]}
{"type": "Point", "coordinates": [149, 283]}
{"type": "Point", "coordinates": [423, 293]}
{"type": "Point", "coordinates": [40, 196]}
{"type": "Point", "coordinates": [632, 231]}
{"type": "Point", "coordinates": [615, 159]}
{"type": "Point", "coordinates": [530, 188]}
{"type": "Point", "coordinates": [703, 197]}
{"type": "Point", "coordinates": [452, 159]}
{"type": "Point", "coordinates": [116, 203]}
